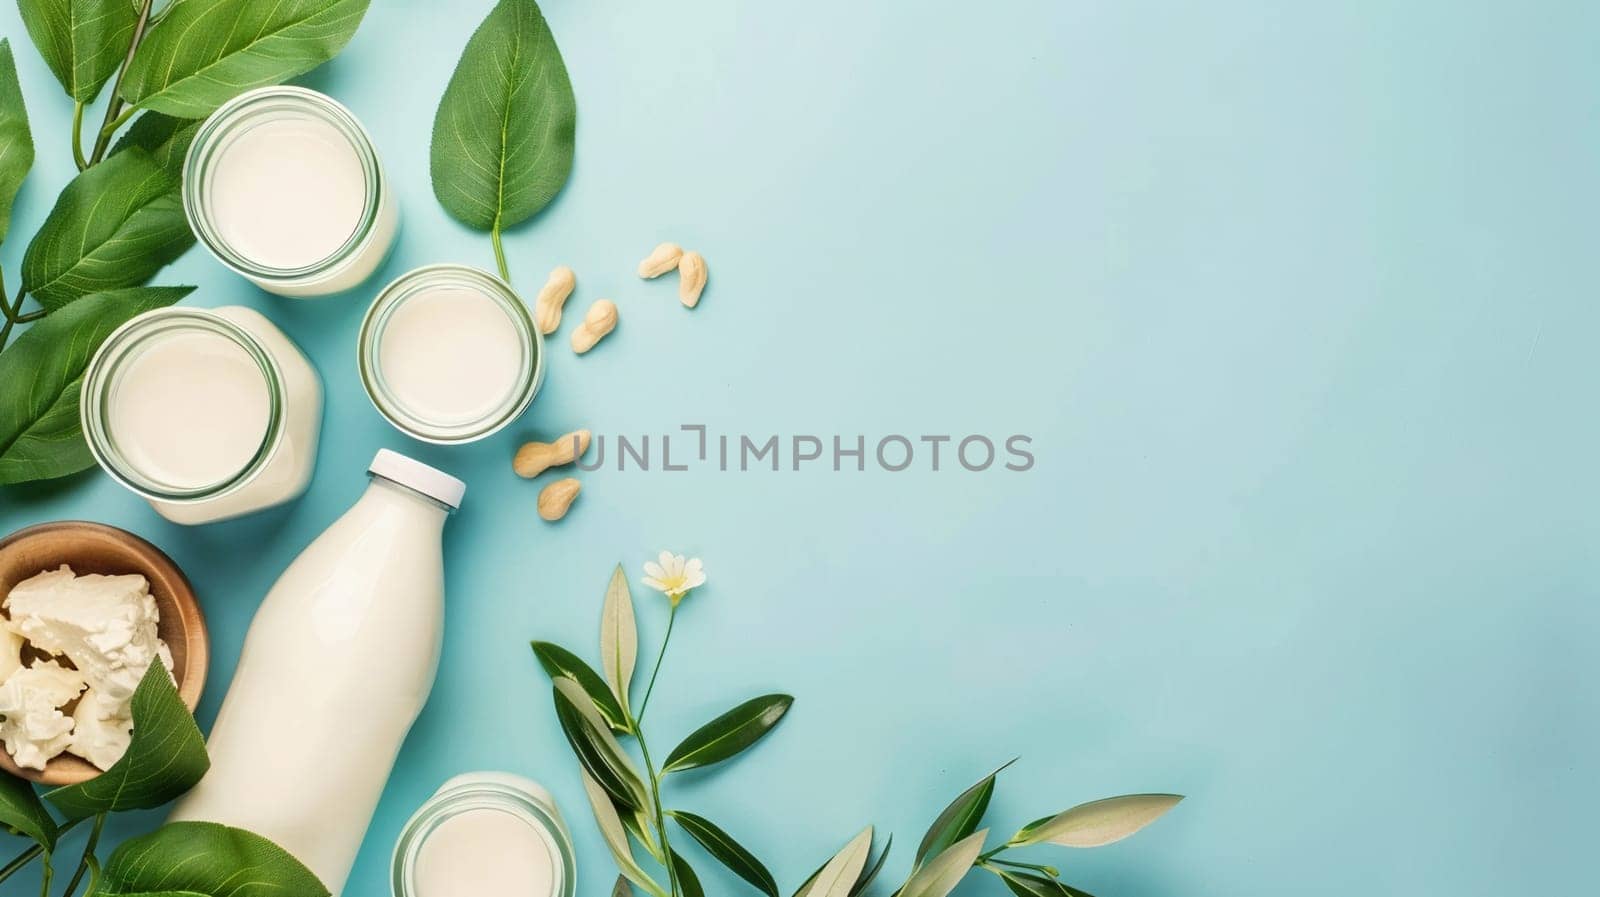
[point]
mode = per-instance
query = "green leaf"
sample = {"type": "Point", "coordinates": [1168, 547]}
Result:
{"type": "Point", "coordinates": [619, 636]}
{"type": "Point", "coordinates": [21, 809]}
{"type": "Point", "coordinates": [205, 52]}
{"type": "Point", "coordinates": [605, 815]}
{"type": "Point", "coordinates": [115, 225]}
{"type": "Point", "coordinates": [941, 875]}
{"type": "Point", "coordinates": [83, 41]}
{"type": "Point", "coordinates": [872, 870]}
{"type": "Point", "coordinates": [503, 135]}
{"type": "Point", "coordinates": [165, 138]}
{"type": "Point", "coordinates": [621, 889]}
{"type": "Point", "coordinates": [166, 757]}
{"type": "Point", "coordinates": [204, 859]}
{"type": "Point", "coordinates": [688, 882]}
{"type": "Point", "coordinates": [1099, 822]}
{"type": "Point", "coordinates": [838, 876]}
{"type": "Point", "coordinates": [595, 746]}
{"type": "Point", "coordinates": [958, 820]}
{"type": "Point", "coordinates": [636, 823]}
{"type": "Point", "coordinates": [16, 141]}
{"type": "Point", "coordinates": [1026, 884]}
{"type": "Point", "coordinates": [558, 661]}
{"type": "Point", "coordinates": [727, 851]}
{"type": "Point", "coordinates": [42, 374]}
{"type": "Point", "coordinates": [729, 733]}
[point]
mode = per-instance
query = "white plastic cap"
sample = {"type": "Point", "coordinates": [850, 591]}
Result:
{"type": "Point", "coordinates": [413, 474]}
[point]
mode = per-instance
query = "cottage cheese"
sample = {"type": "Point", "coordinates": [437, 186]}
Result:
{"type": "Point", "coordinates": [107, 627]}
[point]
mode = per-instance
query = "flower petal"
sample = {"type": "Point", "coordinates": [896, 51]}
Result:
{"type": "Point", "coordinates": [666, 560]}
{"type": "Point", "coordinates": [654, 583]}
{"type": "Point", "coordinates": [654, 569]}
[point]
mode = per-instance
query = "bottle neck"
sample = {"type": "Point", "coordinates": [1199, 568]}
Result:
{"type": "Point", "coordinates": [388, 495]}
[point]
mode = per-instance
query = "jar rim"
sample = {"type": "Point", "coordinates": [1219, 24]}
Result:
{"type": "Point", "coordinates": [477, 794]}
{"type": "Point", "coordinates": [120, 347]}
{"type": "Point", "coordinates": [411, 284]}
{"type": "Point", "coordinates": [238, 112]}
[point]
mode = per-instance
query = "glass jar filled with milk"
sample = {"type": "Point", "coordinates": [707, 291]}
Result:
{"type": "Point", "coordinates": [283, 185]}
{"type": "Point", "coordinates": [485, 833]}
{"type": "Point", "coordinates": [449, 354]}
{"type": "Point", "coordinates": [207, 414]}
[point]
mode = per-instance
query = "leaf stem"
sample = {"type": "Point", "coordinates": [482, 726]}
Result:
{"type": "Point", "coordinates": [672, 617]}
{"type": "Point", "coordinates": [24, 858]}
{"type": "Point", "coordinates": [88, 856]}
{"type": "Point", "coordinates": [500, 252]}
{"type": "Point", "coordinates": [77, 136]}
{"type": "Point", "coordinates": [655, 792]}
{"type": "Point", "coordinates": [45, 875]}
{"type": "Point", "coordinates": [115, 117]}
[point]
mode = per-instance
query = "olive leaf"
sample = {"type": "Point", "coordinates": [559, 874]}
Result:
{"type": "Point", "coordinates": [21, 809]}
{"type": "Point", "coordinates": [558, 661]}
{"type": "Point", "coordinates": [40, 434]}
{"type": "Point", "coordinates": [838, 876]}
{"type": "Point", "coordinates": [1026, 884]}
{"type": "Point", "coordinates": [621, 889]}
{"type": "Point", "coordinates": [729, 733]}
{"type": "Point", "coordinates": [596, 747]}
{"type": "Point", "coordinates": [166, 757]}
{"type": "Point", "coordinates": [115, 225]}
{"type": "Point", "coordinates": [959, 819]}
{"type": "Point", "coordinates": [205, 52]}
{"type": "Point", "coordinates": [688, 882]}
{"type": "Point", "coordinates": [619, 636]}
{"type": "Point", "coordinates": [204, 859]}
{"type": "Point", "coordinates": [638, 824]}
{"type": "Point", "coordinates": [503, 135]}
{"type": "Point", "coordinates": [941, 875]}
{"type": "Point", "coordinates": [165, 138]}
{"type": "Point", "coordinates": [1099, 822]}
{"type": "Point", "coordinates": [872, 870]}
{"type": "Point", "coordinates": [605, 815]}
{"type": "Point", "coordinates": [83, 41]}
{"type": "Point", "coordinates": [16, 141]}
{"type": "Point", "coordinates": [725, 850]}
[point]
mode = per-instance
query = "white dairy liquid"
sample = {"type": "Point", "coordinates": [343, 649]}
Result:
{"type": "Point", "coordinates": [336, 666]}
{"type": "Point", "coordinates": [486, 852]}
{"type": "Point", "coordinates": [191, 409]}
{"type": "Point", "coordinates": [450, 355]}
{"type": "Point", "coordinates": [288, 192]}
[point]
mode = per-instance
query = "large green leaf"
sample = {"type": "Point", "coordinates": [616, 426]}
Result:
{"type": "Point", "coordinates": [605, 815]}
{"type": "Point", "coordinates": [503, 136]}
{"type": "Point", "coordinates": [16, 141]}
{"type": "Point", "coordinates": [166, 757]}
{"type": "Point", "coordinates": [205, 52]}
{"type": "Point", "coordinates": [619, 636]}
{"type": "Point", "coordinates": [21, 809]}
{"type": "Point", "coordinates": [688, 882]}
{"type": "Point", "coordinates": [203, 859]}
{"type": "Point", "coordinates": [729, 733]}
{"type": "Point", "coordinates": [165, 138]}
{"type": "Point", "coordinates": [558, 661]}
{"type": "Point", "coordinates": [727, 851]}
{"type": "Point", "coordinates": [942, 873]}
{"type": "Point", "coordinates": [83, 41]}
{"type": "Point", "coordinates": [958, 820]}
{"type": "Point", "coordinates": [42, 372]}
{"type": "Point", "coordinates": [115, 225]}
{"type": "Point", "coordinates": [596, 747]}
{"type": "Point", "coordinates": [1098, 822]}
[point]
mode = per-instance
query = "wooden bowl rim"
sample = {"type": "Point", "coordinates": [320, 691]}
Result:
{"type": "Point", "coordinates": [197, 640]}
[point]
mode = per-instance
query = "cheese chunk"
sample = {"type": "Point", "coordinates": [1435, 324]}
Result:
{"type": "Point", "coordinates": [102, 730]}
{"type": "Point", "coordinates": [10, 652]}
{"type": "Point", "coordinates": [31, 722]}
{"type": "Point", "coordinates": [105, 625]}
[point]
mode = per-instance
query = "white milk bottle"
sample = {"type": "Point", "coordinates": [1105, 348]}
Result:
{"type": "Point", "coordinates": [336, 666]}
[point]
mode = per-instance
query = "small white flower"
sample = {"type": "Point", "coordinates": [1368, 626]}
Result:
{"type": "Point", "coordinates": [674, 576]}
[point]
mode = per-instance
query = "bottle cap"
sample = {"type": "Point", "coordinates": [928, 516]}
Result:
{"type": "Point", "coordinates": [413, 474]}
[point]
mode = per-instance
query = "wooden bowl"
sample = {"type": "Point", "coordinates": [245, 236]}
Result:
{"type": "Point", "coordinates": [96, 548]}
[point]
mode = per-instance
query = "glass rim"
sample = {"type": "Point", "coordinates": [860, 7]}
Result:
{"type": "Point", "coordinates": [240, 110]}
{"type": "Point", "coordinates": [478, 794]}
{"type": "Point", "coordinates": [410, 284]}
{"type": "Point", "coordinates": [120, 347]}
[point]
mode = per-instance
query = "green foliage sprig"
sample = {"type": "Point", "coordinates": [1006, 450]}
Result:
{"type": "Point", "coordinates": [596, 715]}
{"type": "Point", "coordinates": [120, 220]}
{"type": "Point", "coordinates": [166, 757]}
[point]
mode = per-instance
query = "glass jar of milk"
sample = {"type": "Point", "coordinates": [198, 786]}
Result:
{"type": "Point", "coordinates": [207, 414]}
{"type": "Point", "coordinates": [283, 185]}
{"type": "Point", "coordinates": [449, 354]}
{"type": "Point", "coordinates": [485, 833]}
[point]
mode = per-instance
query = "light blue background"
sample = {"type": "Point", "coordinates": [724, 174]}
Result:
{"type": "Point", "coordinates": [1297, 301]}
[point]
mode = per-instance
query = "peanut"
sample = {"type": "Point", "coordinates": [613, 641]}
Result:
{"type": "Point", "coordinates": [601, 320]}
{"type": "Point", "coordinates": [537, 457]}
{"type": "Point", "coordinates": [691, 278]}
{"type": "Point", "coordinates": [547, 308]}
{"type": "Point", "coordinates": [660, 260]}
{"type": "Point", "coordinates": [556, 498]}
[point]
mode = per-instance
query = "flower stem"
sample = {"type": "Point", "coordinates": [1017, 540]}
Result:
{"type": "Point", "coordinates": [115, 116]}
{"type": "Point", "coordinates": [655, 798]}
{"type": "Point", "coordinates": [88, 856]}
{"type": "Point", "coordinates": [672, 616]}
